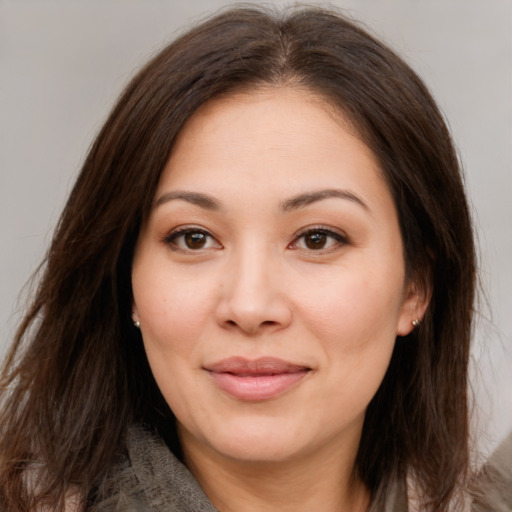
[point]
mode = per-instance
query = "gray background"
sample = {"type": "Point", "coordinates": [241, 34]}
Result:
{"type": "Point", "coordinates": [63, 63]}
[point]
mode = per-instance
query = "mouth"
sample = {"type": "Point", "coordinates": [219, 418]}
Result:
{"type": "Point", "coordinates": [256, 379]}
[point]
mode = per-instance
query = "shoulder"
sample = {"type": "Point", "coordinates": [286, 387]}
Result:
{"type": "Point", "coordinates": [493, 486]}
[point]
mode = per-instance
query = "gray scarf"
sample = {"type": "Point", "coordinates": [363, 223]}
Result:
{"type": "Point", "coordinates": [151, 479]}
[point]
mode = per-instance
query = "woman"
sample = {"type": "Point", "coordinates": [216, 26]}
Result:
{"type": "Point", "coordinates": [259, 294]}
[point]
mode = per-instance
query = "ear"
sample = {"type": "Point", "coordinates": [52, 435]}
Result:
{"type": "Point", "coordinates": [416, 301]}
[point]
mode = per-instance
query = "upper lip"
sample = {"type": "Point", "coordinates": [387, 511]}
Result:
{"type": "Point", "coordinates": [260, 366]}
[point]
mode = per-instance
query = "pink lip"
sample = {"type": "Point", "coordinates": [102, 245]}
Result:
{"type": "Point", "coordinates": [257, 379]}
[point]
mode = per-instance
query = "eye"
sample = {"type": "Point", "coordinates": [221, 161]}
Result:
{"type": "Point", "coordinates": [191, 239]}
{"type": "Point", "coordinates": [318, 239]}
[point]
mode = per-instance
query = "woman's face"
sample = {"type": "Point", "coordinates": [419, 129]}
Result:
{"type": "Point", "coordinates": [269, 280]}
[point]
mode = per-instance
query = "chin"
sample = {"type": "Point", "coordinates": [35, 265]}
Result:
{"type": "Point", "coordinates": [257, 448]}
{"type": "Point", "coordinates": [260, 440]}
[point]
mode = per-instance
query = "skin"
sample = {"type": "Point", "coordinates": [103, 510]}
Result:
{"type": "Point", "coordinates": [251, 284]}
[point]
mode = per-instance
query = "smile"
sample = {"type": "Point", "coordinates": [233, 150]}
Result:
{"type": "Point", "coordinates": [256, 380]}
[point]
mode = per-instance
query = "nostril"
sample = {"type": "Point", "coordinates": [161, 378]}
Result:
{"type": "Point", "coordinates": [269, 323]}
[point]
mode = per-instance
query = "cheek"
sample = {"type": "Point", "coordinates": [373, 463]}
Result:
{"type": "Point", "coordinates": [356, 307]}
{"type": "Point", "coordinates": [173, 314]}
{"type": "Point", "coordinates": [172, 311]}
{"type": "Point", "coordinates": [355, 317]}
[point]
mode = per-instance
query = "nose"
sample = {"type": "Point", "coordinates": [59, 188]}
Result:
{"type": "Point", "coordinates": [252, 296]}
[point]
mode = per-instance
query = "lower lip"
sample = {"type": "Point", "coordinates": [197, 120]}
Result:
{"type": "Point", "coordinates": [257, 387]}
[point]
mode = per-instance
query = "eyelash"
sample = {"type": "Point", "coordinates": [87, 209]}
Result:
{"type": "Point", "coordinates": [339, 239]}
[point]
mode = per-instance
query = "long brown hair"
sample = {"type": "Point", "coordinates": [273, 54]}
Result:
{"type": "Point", "coordinates": [77, 375]}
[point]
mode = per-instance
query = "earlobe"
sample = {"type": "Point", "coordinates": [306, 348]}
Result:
{"type": "Point", "coordinates": [415, 304]}
{"type": "Point", "coordinates": [135, 316]}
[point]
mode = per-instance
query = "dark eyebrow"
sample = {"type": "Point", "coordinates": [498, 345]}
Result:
{"type": "Point", "coordinates": [307, 198]}
{"type": "Point", "coordinates": [202, 200]}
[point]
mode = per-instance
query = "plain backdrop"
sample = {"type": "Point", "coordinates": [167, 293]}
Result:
{"type": "Point", "coordinates": [63, 63]}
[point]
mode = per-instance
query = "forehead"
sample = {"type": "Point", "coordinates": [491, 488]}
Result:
{"type": "Point", "coordinates": [271, 141]}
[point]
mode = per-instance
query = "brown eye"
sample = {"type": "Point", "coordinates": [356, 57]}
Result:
{"type": "Point", "coordinates": [315, 240]}
{"type": "Point", "coordinates": [195, 239]}
{"type": "Point", "coordinates": [318, 239]}
{"type": "Point", "coordinates": [190, 239]}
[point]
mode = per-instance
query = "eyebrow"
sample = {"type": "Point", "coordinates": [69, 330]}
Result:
{"type": "Point", "coordinates": [294, 203]}
{"type": "Point", "coordinates": [204, 201]}
{"type": "Point", "coordinates": [303, 200]}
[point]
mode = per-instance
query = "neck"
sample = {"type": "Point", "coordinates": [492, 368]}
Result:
{"type": "Point", "coordinates": [319, 481]}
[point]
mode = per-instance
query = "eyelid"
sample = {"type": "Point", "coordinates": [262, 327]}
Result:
{"type": "Point", "coordinates": [322, 228]}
